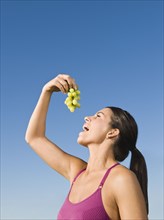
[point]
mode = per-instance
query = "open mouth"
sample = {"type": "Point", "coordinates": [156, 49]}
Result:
{"type": "Point", "coordinates": [85, 128]}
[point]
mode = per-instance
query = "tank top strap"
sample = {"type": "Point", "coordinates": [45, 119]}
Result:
{"type": "Point", "coordinates": [78, 175]}
{"type": "Point", "coordinates": [106, 175]}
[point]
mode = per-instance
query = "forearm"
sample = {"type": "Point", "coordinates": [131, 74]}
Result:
{"type": "Point", "coordinates": [37, 124]}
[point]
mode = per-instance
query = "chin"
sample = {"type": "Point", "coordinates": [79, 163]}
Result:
{"type": "Point", "coordinates": [81, 142]}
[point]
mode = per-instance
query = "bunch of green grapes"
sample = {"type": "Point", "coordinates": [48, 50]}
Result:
{"type": "Point", "coordinates": [72, 99]}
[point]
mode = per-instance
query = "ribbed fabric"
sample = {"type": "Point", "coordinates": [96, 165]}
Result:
{"type": "Point", "coordinates": [91, 208]}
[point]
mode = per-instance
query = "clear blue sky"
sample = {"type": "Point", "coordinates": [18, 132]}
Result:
{"type": "Point", "coordinates": [114, 50]}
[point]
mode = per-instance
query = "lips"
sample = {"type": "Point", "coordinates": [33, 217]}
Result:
{"type": "Point", "coordinates": [85, 127]}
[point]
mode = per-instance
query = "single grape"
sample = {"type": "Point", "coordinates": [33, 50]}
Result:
{"type": "Point", "coordinates": [72, 109]}
{"type": "Point", "coordinates": [71, 90]}
{"type": "Point", "coordinates": [73, 94]}
{"type": "Point", "coordinates": [74, 102]}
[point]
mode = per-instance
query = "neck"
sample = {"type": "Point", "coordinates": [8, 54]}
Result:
{"type": "Point", "coordinates": [100, 158]}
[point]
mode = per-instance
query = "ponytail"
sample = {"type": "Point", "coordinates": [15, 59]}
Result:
{"type": "Point", "coordinates": [138, 166]}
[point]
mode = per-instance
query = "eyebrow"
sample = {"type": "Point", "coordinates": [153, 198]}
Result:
{"type": "Point", "coordinates": [100, 113]}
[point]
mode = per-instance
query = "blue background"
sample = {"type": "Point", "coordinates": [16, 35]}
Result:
{"type": "Point", "coordinates": [114, 50]}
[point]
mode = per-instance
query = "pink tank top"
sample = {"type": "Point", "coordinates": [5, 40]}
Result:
{"type": "Point", "coordinates": [90, 208]}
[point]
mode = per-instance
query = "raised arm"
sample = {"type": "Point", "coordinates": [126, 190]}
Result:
{"type": "Point", "coordinates": [65, 164]}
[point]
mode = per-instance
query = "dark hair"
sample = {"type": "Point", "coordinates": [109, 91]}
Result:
{"type": "Point", "coordinates": [126, 142]}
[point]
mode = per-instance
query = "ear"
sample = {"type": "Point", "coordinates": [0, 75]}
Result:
{"type": "Point", "coordinates": [114, 132]}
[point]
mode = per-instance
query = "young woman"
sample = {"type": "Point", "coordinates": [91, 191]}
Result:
{"type": "Point", "coordinates": [102, 188]}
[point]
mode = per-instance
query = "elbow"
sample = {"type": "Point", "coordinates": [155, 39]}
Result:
{"type": "Point", "coordinates": [28, 138]}
{"type": "Point", "coordinates": [31, 139]}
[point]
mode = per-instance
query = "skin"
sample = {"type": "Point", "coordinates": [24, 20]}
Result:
{"type": "Point", "coordinates": [121, 193]}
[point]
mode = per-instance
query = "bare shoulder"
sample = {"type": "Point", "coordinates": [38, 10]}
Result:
{"type": "Point", "coordinates": [125, 185]}
{"type": "Point", "coordinates": [122, 179]}
{"type": "Point", "coordinates": [122, 174]}
{"type": "Point", "coordinates": [127, 193]}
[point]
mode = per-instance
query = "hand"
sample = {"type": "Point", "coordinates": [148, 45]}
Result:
{"type": "Point", "coordinates": [62, 83]}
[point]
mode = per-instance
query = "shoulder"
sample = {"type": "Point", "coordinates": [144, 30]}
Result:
{"type": "Point", "coordinates": [122, 174]}
{"type": "Point", "coordinates": [126, 192]}
{"type": "Point", "coordinates": [122, 179]}
{"type": "Point", "coordinates": [124, 184]}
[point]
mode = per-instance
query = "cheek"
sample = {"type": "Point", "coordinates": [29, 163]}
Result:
{"type": "Point", "coordinates": [96, 134]}
{"type": "Point", "coordinates": [100, 130]}
{"type": "Point", "coordinates": [99, 136]}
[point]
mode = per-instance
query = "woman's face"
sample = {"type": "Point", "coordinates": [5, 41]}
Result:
{"type": "Point", "coordinates": [95, 128]}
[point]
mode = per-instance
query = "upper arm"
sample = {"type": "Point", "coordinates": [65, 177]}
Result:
{"type": "Point", "coordinates": [62, 162]}
{"type": "Point", "coordinates": [129, 197]}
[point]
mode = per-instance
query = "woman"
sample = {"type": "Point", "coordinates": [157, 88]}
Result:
{"type": "Point", "coordinates": [100, 188]}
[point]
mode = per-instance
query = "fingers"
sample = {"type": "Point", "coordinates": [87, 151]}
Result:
{"type": "Point", "coordinates": [71, 82]}
{"type": "Point", "coordinates": [65, 82]}
{"type": "Point", "coordinates": [62, 83]}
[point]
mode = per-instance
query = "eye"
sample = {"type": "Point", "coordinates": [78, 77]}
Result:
{"type": "Point", "coordinates": [98, 115]}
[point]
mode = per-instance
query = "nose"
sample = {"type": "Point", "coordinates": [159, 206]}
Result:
{"type": "Point", "coordinates": [86, 119]}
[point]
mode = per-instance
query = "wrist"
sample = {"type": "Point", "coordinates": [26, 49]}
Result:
{"type": "Point", "coordinates": [47, 90]}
